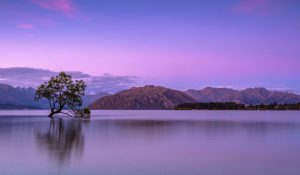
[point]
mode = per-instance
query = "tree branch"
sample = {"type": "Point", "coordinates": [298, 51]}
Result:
{"type": "Point", "coordinates": [51, 107]}
{"type": "Point", "coordinates": [66, 114]}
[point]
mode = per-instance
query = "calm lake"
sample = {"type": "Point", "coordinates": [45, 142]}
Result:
{"type": "Point", "coordinates": [151, 143]}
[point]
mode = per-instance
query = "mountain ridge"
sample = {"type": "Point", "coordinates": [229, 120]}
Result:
{"type": "Point", "coordinates": [11, 97]}
{"type": "Point", "coordinates": [150, 97]}
{"type": "Point", "coordinates": [248, 96]}
{"type": "Point", "coordinates": [166, 98]}
{"type": "Point", "coordinates": [23, 98]}
{"type": "Point", "coordinates": [147, 97]}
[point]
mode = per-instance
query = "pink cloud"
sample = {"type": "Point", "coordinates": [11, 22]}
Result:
{"type": "Point", "coordinates": [64, 6]}
{"type": "Point", "coordinates": [261, 7]}
{"type": "Point", "coordinates": [27, 26]}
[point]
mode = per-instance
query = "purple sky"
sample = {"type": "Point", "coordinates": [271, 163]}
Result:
{"type": "Point", "coordinates": [176, 43]}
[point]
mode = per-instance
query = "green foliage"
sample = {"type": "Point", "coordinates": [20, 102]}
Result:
{"type": "Point", "coordinates": [86, 111]}
{"type": "Point", "coordinates": [62, 93]}
{"type": "Point", "coordinates": [83, 113]}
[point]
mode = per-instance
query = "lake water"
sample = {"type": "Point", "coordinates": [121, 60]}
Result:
{"type": "Point", "coordinates": [151, 143]}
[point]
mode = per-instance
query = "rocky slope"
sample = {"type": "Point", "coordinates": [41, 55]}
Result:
{"type": "Point", "coordinates": [148, 97]}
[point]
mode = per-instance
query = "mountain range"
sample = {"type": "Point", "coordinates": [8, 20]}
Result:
{"type": "Point", "coordinates": [23, 98]}
{"type": "Point", "coordinates": [150, 97]}
{"type": "Point", "coordinates": [250, 96]}
{"type": "Point", "coordinates": [157, 97]}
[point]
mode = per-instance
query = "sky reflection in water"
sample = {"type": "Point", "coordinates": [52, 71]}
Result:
{"type": "Point", "coordinates": [170, 142]}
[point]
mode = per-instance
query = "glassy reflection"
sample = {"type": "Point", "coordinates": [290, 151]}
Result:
{"type": "Point", "coordinates": [61, 139]}
{"type": "Point", "coordinates": [207, 128]}
{"type": "Point", "coordinates": [152, 143]}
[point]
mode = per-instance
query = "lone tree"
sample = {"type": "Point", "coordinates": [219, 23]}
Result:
{"type": "Point", "coordinates": [63, 94]}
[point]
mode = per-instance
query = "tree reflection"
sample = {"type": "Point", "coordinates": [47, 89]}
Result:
{"type": "Point", "coordinates": [62, 139]}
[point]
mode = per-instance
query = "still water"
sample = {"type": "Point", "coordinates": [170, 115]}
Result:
{"type": "Point", "coordinates": [151, 143]}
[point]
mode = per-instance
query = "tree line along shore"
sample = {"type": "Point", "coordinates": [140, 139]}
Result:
{"type": "Point", "coordinates": [236, 106]}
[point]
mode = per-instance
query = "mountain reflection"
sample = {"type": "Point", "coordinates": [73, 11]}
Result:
{"type": "Point", "coordinates": [62, 139]}
{"type": "Point", "coordinates": [210, 128]}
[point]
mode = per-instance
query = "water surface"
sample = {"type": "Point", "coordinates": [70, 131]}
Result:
{"type": "Point", "coordinates": [151, 143]}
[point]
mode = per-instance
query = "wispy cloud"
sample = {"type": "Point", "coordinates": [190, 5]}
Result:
{"type": "Point", "coordinates": [261, 7]}
{"type": "Point", "coordinates": [26, 26]}
{"type": "Point", "coordinates": [29, 77]}
{"type": "Point", "coordinates": [249, 5]}
{"type": "Point", "coordinates": [64, 6]}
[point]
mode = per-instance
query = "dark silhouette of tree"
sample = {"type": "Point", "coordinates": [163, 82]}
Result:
{"type": "Point", "coordinates": [62, 94]}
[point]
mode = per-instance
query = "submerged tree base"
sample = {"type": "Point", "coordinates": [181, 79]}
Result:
{"type": "Point", "coordinates": [83, 113]}
{"type": "Point", "coordinates": [79, 113]}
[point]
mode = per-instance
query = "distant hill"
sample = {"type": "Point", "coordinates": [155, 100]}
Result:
{"type": "Point", "coordinates": [148, 97]}
{"type": "Point", "coordinates": [21, 98]}
{"type": "Point", "coordinates": [248, 96]}
{"type": "Point", "coordinates": [89, 99]}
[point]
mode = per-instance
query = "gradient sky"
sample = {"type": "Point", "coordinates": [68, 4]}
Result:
{"type": "Point", "coordinates": [176, 43]}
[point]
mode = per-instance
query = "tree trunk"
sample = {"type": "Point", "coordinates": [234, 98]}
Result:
{"type": "Point", "coordinates": [51, 115]}
{"type": "Point", "coordinates": [53, 112]}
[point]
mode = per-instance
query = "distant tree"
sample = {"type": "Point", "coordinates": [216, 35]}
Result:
{"type": "Point", "coordinates": [63, 94]}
